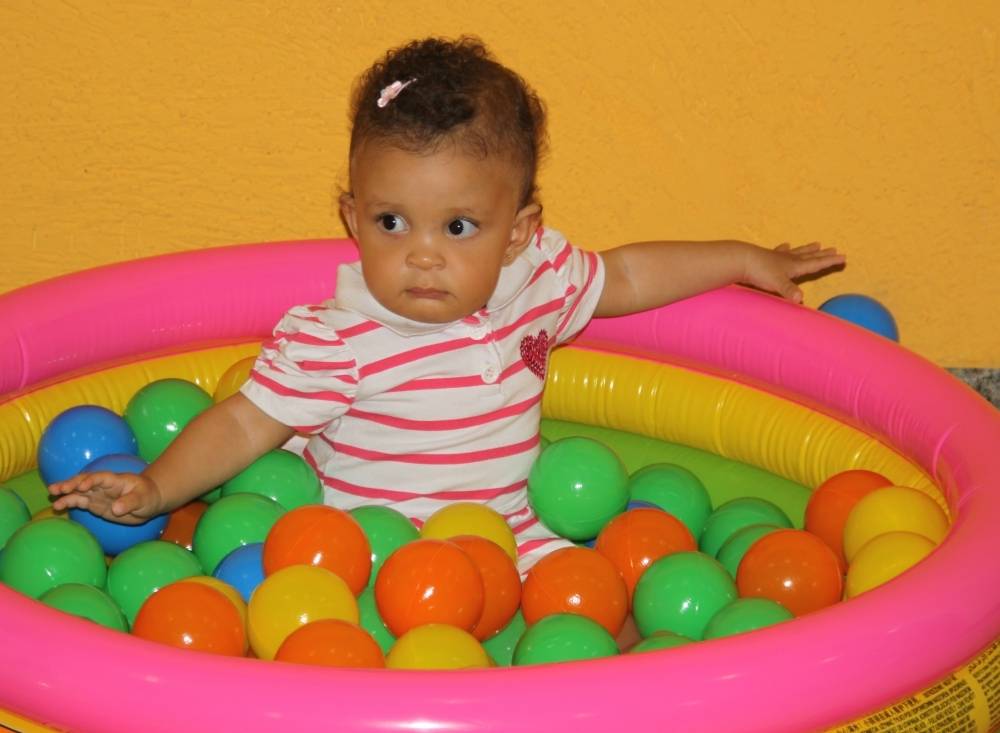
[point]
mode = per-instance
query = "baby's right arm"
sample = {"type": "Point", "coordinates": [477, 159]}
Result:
{"type": "Point", "coordinates": [214, 447]}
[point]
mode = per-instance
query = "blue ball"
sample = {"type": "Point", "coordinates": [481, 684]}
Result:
{"type": "Point", "coordinates": [243, 568]}
{"type": "Point", "coordinates": [78, 436]}
{"type": "Point", "coordinates": [115, 538]}
{"type": "Point", "coordinates": [863, 311]}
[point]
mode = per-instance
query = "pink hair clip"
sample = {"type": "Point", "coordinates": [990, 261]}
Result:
{"type": "Point", "coordinates": [392, 91]}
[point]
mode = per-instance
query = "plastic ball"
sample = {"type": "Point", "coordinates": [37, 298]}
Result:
{"type": "Point", "coordinates": [864, 311]}
{"type": "Point", "coordinates": [87, 602]}
{"type": "Point", "coordinates": [576, 486]}
{"type": "Point", "coordinates": [233, 378]}
{"type": "Point", "coordinates": [225, 589]}
{"type": "Point", "coordinates": [240, 519]}
{"type": "Point", "coordinates": [13, 514]}
{"type": "Point", "coordinates": [563, 637]}
{"type": "Point", "coordinates": [893, 509]}
{"type": "Point", "coordinates": [280, 475]}
{"type": "Point", "coordinates": [43, 554]}
{"type": "Point", "coordinates": [746, 614]}
{"type": "Point", "coordinates": [331, 643]}
{"type": "Point", "coordinates": [436, 646]}
{"type": "Point", "coordinates": [501, 647]}
{"type": "Point", "coordinates": [732, 551]}
{"type": "Point", "coordinates": [78, 436]}
{"type": "Point", "coordinates": [469, 518]}
{"type": "Point", "coordinates": [674, 489]}
{"type": "Point", "coordinates": [429, 582]}
{"type": "Point", "coordinates": [141, 570]}
{"type": "Point", "coordinates": [293, 597]}
{"type": "Point", "coordinates": [243, 569]}
{"type": "Point", "coordinates": [681, 593]}
{"type": "Point", "coordinates": [159, 411]}
{"type": "Point", "coordinates": [636, 539]}
{"type": "Point", "coordinates": [734, 515]}
{"type": "Point", "coordinates": [660, 640]}
{"type": "Point", "coordinates": [832, 501]}
{"type": "Point", "coordinates": [371, 621]}
{"type": "Point", "coordinates": [192, 616]}
{"type": "Point", "coordinates": [115, 537]}
{"type": "Point", "coordinates": [323, 536]}
{"type": "Point", "coordinates": [386, 530]}
{"type": "Point", "coordinates": [794, 568]}
{"type": "Point", "coordinates": [181, 523]}
{"type": "Point", "coordinates": [501, 584]}
{"type": "Point", "coordinates": [579, 581]}
{"type": "Point", "coordinates": [883, 558]}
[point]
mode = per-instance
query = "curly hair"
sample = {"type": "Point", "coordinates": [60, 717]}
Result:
{"type": "Point", "coordinates": [459, 95]}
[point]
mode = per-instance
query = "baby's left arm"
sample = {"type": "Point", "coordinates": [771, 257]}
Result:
{"type": "Point", "coordinates": [647, 275]}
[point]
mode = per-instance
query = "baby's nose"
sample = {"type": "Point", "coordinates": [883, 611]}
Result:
{"type": "Point", "coordinates": [425, 256]}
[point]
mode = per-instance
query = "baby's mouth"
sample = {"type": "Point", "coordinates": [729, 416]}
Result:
{"type": "Point", "coordinates": [430, 293]}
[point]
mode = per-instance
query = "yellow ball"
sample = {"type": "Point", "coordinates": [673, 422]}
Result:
{"type": "Point", "coordinates": [225, 589]}
{"type": "Point", "coordinates": [436, 646]}
{"type": "Point", "coordinates": [233, 378]}
{"type": "Point", "coordinates": [883, 558]}
{"type": "Point", "coordinates": [892, 509]}
{"type": "Point", "coordinates": [466, 517]}
{"type": "Point", "coordinates": [292, 597]}
{"type": "Point", "coordinates": [47, 513]}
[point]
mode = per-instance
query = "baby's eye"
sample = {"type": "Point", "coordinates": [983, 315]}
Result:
{"type": "Point", "coordinates": [462, 228]}
{"type": "Point", "coordinates": [393, 223]}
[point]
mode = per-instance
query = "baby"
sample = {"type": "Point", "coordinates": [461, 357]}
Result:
{"type": "Point", "coordinates": [420, 383]}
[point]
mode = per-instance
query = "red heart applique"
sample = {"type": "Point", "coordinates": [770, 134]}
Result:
{"type": "Point", "coordinates": [534, 350]}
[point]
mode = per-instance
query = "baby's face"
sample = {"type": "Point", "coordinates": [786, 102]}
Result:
{"type": "Point", "coordinates": [434, 230]}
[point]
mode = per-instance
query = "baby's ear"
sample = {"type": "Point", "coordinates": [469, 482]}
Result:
{"type": "Point", "coordinates": [526, 222]}
{"type": "Point", "coordinates": [349, 213]}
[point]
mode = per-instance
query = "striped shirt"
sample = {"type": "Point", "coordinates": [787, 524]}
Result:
{"type": "Point", "coordinates": [415, 415]}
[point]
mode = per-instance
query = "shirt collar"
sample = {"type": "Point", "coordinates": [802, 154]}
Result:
{"type": "Point", "coordinates": [353, 295]}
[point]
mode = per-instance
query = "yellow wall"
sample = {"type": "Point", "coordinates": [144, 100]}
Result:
{"type": "Point", "coordinates": [135, 128]}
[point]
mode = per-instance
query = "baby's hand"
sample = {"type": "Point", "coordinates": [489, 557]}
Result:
{"type": "Point", "coordinates": [126, 498]}
{"type": "Point", "coordinates": [774, 270]}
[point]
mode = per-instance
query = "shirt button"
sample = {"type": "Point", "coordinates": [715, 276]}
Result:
{"type": "Point", "coordinates": [490, 374]}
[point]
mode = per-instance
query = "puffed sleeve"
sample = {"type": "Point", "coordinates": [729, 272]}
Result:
{"type": "Point", "coordinates": [306, 375]}
{"type": "Point", "coordinates": [580, 279]}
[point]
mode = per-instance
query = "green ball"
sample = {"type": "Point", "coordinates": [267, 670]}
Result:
{"type": "Point", "coordinates": [386, 530]}
{"type": "Point", "coordinates": [13, 514]}
{"type": "Point", "coordinates": [576, 486]}
{"type": "Point", "coordinates": [87, 602]}
{"type": "Point", "coordinates": [733, 549]}
{"type": "Point", "coordinates": [501, 646]}
{"type": "Point", "coordinates": [675, 490]}
{"type": "Point", "coordinates": [143, 569]}
{"type": "Point", "coordinates": [41, 555]}
{"type": "Point", "coordinates": [735, 515]}
{"type": "Point", "coordinates": [280, 475]}
{"type": "Point", "coordinates": [681, 593]}
{"type": "Point", "coordinates": [159, 411]}
{"type": "Point", "coordinates": [32, 490]}
{"type": "Point", "coordinates": [212, 496]}
{"type": "Point", "coordinates": [660, 640]}
{"type": "Point", "coordinates": [233, 521]}
{"type": "Point", "coordinates": [746, 614]}
{"type": "Point", "coordinates": [563, 637]}
{"type": "Point", "coordinates": [372, 622]}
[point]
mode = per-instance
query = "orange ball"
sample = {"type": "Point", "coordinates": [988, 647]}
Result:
{"type": "Point", "coordinates": [322, 536]}
{"type": "Point", "coordinates": [331, 643]}
{"type": "Point", "coordinates": [501, 584]}
{"type": "Point", "coordinates": [429, 582]}
{"type": "Point", "coordinates": [192, 616]}
{"type": "Point", "coordinates": [793, 567]}
{"type": "Point", "coordinates": [833, 500]}
{"type": "Point", "coordinates": [636, 539]}
{"type": "Point", "coordinates": [576, 580]}
{"type": "Point", "coordinates": [181, 523]}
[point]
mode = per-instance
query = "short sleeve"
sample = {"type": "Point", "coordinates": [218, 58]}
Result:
{"type": "Point", "coordinates": [306, 375]}
{"type": "Point", "coordinates": [580, 277]}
